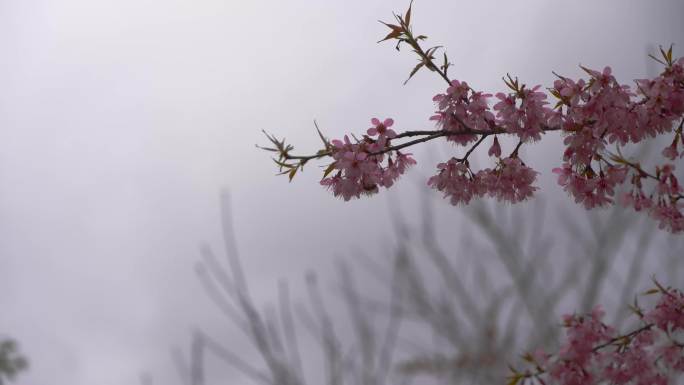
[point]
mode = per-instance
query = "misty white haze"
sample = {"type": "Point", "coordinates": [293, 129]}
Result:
{"type": "Point", "coordinates": [122, 121]}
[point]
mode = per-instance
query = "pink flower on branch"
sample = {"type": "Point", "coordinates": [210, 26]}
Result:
{"type": "Point", "coordinates": [511, 181]}
{"type": "Point", "coordinates": [594, 114]}
{"type": "Point", "coordinates": [360, 166]}
{"type": "Point", "coordinates": [523, 112]}
{"type": "Point", "coordinates": [457, 182]}
{"type": "Point", "coordinates": [382, 128]}
{"type": "Point", "coordinates": [594, 353]}
{"type": "Point", "coordinates": [495, 149]}
{"type": "Point", "coordinates": [588, 188]}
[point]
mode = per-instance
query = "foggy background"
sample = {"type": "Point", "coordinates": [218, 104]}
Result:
{"type": "Point", "coordinates": [122, 121]}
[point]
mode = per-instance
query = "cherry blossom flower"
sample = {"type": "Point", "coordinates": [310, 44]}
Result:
{"type": "Point", "coordinates": [670, 152]}
{"type": "Point", "coordinates": [594, 353]}
{"type": "Point", "coordinates": [511, 181]}
{"type": "Point", "coordinates": [597, 116]}
{"type": "Point", "coordinates": [456, 181]}
{"type": "Point", "coordinates": [361, 167]}
{"type": "Point", "coordinates": [495, 149]}
{"type": "Point", "coordinates": [382, 128]}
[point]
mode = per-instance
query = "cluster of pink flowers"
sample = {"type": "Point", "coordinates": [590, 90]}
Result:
{"type": "Point", "coordinates": [460, 109]}
{"type": "Point", "coordinates": [360, 165]}
{"type": "Point", "coordinates": [594, 353]}
{"type": "Point", "coordinates": [577, 362]}
{"type": "Point", "coordinates": [593, 114]}
{"type": "Point", "coordinates": [456, 181]}
{"type": "Point", "coordinates": [591, 190]}
{"type": "Point", "coordinates": [523, 113]}
{"type": "Point", "coordinates": [668, 314]}
{"type": "Point", "coordinates": [661, 204]}
{"type": "Point", "coordinates": [600, 111]}
{"type": "Point", "coordinates": [510, 181]}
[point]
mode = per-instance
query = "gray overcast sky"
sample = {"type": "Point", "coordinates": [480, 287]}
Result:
{"type": "Point", "coordinates": [120, 122]}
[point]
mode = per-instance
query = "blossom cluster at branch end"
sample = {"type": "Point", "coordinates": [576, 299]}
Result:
{"type": "Point", "coordinates": [599, 112]}
{"type": "Point", "coordinates": [594, 353]}
{"type": "Point", "coordinates": [592, 114]}
{"type": "Point", "coordinates": [510, 181]}
{"type": "Point", "coordinates": [466, 112]}
{"type": "Point", "coordinates": [596, 115]}
{"type": "Point", "coordinates": [363, 166]}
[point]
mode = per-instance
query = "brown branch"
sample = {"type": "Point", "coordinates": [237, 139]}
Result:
{"type": "Point", "coordinates": [428, 135]}
{"type": "Point", "coordinates": [627, 336]}
{"type": "Point", "coordinates": [467, 154]}
{"type": "Point", "coordinates": [514, 154]}
{"type": "Point", "coordinates": [425, 58]}
{"type": "Point", "coordinates": [635, 166]}
{"type": "Point", "coordinates": [540, 370]}
{"type": "Point", "coordinates": [406, 134]}
{"type": "Point", "coordinates": [438, 134]}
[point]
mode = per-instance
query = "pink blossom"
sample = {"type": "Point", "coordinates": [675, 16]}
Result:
{"type": "Point", "coordinates": [671, 152]}
{"type": "Point", "coordinates": [669, 215]}
{"type": "Point", "coordinates": [668, 314]}
{"type": "Point", "coordinates": [594, 114]}
{"type": "Point", "coordinates": [588, 188]}
{"type": "Point", "coordinates": [570, 91]}
{"type": "Point", "coordinates": [495, 149]}
{"type": "Point", "coordinates": [673, 356]}
{"type": "Point", "coordinates": [456, 181]}
{"type": "Point", "coordinates": [528, 119]}
{"type": "Point", "coordinates": [593, 353]}
{"type": "Point", "coordinates": [637, 200]}
{"type": "Point", "coordinates": [576, 364]}
{"type": "Point", "coordinates": [360, 167]}
{"type": "Point", "coordinates": [382, 128]}
{"type": "Point", "coordinates": [455, 113]}
{"type": "Point", "coordinates": [395, 168]}
{"type": "Point", "coordinates": [510, 181]}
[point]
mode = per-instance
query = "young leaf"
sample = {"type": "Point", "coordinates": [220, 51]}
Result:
{"type": "Point", "coordinates": [323, 138]}
{"type": "Point", "coordinates": [392, 35]}
{"type": "Point", "coordinates": [656, 59]}
{"type": "Point", "coordinates": [413, 72]}
{"type": "Point", "coordinates": [396, 31]}
{"type": "Point", "coordinates": [329, 169]}
{"type": "Point", "coordinates": [407, 16]}
{"type": "Point", "coordinates": [651, 291]}
{"type": "Point", "coordinates": [513, 380]}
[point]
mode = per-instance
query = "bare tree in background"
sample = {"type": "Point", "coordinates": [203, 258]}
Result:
{"type": "Point", "coordinates": [443, 317]}
{"type": "Point", "coordinates": [273, 333]}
